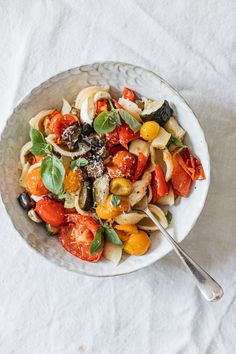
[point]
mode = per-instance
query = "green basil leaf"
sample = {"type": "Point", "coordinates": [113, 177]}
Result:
{"type": "Point", "coordinates": [81, 162]}
{"type": "Point", "coordinates": [106, 122]}
{"type": "Point", "coordinates": [131, 121]}
{"type": "Point", "coordinates": [115, 200]}
{"type": "Point", "coordinates": [52, 173]}
{"type": "Point", "coordinates": [111, 235]}
{"type": "Point", "coordinates": [98, 241]}
{"type": "Point", "coordinates": [176, 142]}
{"type": "Point", "coordinates": [168, 216]}
{"type": "Point", "coordinates": [36, 137]}
{"type": "Point", "coordinates": [112, 106]}
{"type": "Point", "coordinates": [38, 149]}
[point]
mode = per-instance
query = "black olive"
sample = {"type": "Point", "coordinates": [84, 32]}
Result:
{"type": "Point", "coordinates": [87, 129]}
{"type": "Point", "coordinates": [71, 136]}
{"type": "Point", "coordinates": [25, 201]}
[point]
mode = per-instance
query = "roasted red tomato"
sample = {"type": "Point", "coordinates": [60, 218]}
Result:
{"type": "Point", "coordinates": [129, 94]}
{"type": "Point", "coordinates": [60, 122]}
{"type": "Point", "coordinates": [126, 135]}
{"type": "Point", "coordinates": [101, 106]}
{"type": "Point", "coordinates": [181, 180]}
{"type": "Point", "coordinates": [112, 138]}
{"type": "Point", "coordinates": [77, 234]}
{"type": "Point", "coordinates": [191, 164]}
{"type": "Point", "coordinates": [50, 211]}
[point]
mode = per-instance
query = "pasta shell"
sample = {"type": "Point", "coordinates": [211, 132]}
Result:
{"type": "Point", "coordinates": [88, 92]}
{"type": "Point", "coordinates": [36, 121]}
{"type": "Point", "coordinates": [140, 189]}
{"type": "Point", "coordinates": [147, 225]}
{"type": "Point", "coordinates": [162, 139]}
{"type": "Point", "coordinates": [173, 127]}
{"type": "Point", "coordinates": [129, 218]}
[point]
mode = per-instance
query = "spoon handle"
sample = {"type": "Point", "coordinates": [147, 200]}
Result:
{"type": "Point", "coordinates": [208, 287]}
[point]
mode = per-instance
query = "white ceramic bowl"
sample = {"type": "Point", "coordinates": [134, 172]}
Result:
{"type": "Point", "coordinates": [49, 95]}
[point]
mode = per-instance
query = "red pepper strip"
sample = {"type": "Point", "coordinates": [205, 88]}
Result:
{"type": "Point", "coordinates": [181, 180]}
{"type": "Point", "coordinates": [101, 106]}
{"type": "Point", "coordinates": [128, 94]}
{"type": "Point", "coordinates": [126, 135]}
{"type": "Point", "coordinates": [158, 184]}
{"type": "Point", "coordinates": [142, 160]}
{"type": "Point", "coordinates": [191, 165]}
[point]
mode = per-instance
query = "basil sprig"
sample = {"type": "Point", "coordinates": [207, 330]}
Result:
{"type": "Point", "coordinates": [106, 122]}
{"type": "Point", "coordinates": [115, 200]}
{"type": "Point", "coordinates": [52, 170]}
{"type": "Point", "coordinates": [177, 143]}
{"type": "Point", "coordinates": [105, 232]}
{"type": "Point", "coordinates": [52, 173]}
{"type": "Point", "coordinates": [168, 217]}
{"type": "Point", "coordinates": [39, 144]}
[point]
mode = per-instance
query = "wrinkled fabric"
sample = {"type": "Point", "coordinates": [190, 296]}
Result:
{"type": "Point", "coordinates": [48, 310]}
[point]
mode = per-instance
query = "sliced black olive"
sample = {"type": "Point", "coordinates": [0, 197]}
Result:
{"type": "Point", "coordinates": [71, 136]}
{"type": "Point", "coordinates": [86, 196]}
{"type": "Point", "coordinates": [25, 201]}
{"type": "Point", "coordinates": [87, 129]}
{"type": "Point", "coordinates": [160, 111]}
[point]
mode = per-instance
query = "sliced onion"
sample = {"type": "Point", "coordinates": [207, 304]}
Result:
{"type": "Point", "coordinates": [168, 199]}
{"type": "Point", "coordinates": [37, 120]}
{"type": "Point", "coordinates": [66, 107]}
{"type": "Point", "coordinates": [34, 166]}
{"type": "Point", "coordinates": [24, 151]}
{"type": "Point", "coordinates": [77, 207]}
{"type": "Point", "coordinates": [167, 157]}
{"type": "Point", "coordinates": [112, 253]}
{"type": "Point", "coordinates": [131, 107]}
{"type": "Point", "coordinates": [24, 173]}
{"type": "Point", "coordinates": [161, 140]}
{"type": "Point", "coordinates": [88, 92]}
{"type": "Point", "coordinates": [136, 146]}
{"type": "Point", "coordinates": [100, 95]}
{"type": "Point", "coordinates": [50, 139]}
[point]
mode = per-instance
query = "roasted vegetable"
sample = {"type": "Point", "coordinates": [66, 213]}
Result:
{"type": "Point", "coordinates": [52, 230]}
{"type": "Point", "coordinates": [86, 129]}
{"type": "Point", "coordinates": [95, 168]}
{"type": "Point", "coordinates": [34, 217]}
{"type": "Point", "coordinates": [138, 146]}
{"type": "Point", "coordinates": [173, 127]}
{"type": "Point", "coordinates": [75, 111]}
{"type": "Point", "coordinates": [25, 201]}
{"type": "Point", "coordinates": [121, 186]}
{"type": "Point", "coordinates": [159, 111]}
{"type": "Point", "coordinates": [86, 196]}
{"type": "Point", "coordinates": [71, 136]}
{"type": "Point", "coordinates": [101, 189]}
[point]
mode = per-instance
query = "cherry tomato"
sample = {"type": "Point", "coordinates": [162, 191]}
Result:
{"type": "Point", "coordinates": [77, 234]}
{"type": "Point", "coordinates": [50, 211]}
{"type": "Point", "coordinates": [181, 181]}
{"type": "Point", "coordinates": [159, 184]}
{"type": "Point", "coordinates": [108, 210]}
{"type": "Point", "coordinates": [34, 183]}
{"type": "Point", "coordinates": [112, 138]}
{"type": "Point", "coordinates": [125, 161]}
{"type": "Point", "coordinates": [128, 94]}
{"type": "Point", "coordinates": [59, 123]}
{"type": "Point", "coordinates": [126, 135]}
{"type": "Point", "coordinates": [101, 106]}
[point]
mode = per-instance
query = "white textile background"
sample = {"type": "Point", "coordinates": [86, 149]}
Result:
{"type": "Point", "coordinates": [48, 310]}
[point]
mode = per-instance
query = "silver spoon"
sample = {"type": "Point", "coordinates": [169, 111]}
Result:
{"type": "Point", "coordinates": [208, 287]}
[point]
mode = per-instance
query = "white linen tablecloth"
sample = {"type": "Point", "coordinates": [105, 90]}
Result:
{"type": "Point", "coordinates": [48, 310]}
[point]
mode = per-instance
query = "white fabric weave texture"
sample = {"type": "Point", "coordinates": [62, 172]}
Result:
{"type": "Point", "coordinates": [47, 310]}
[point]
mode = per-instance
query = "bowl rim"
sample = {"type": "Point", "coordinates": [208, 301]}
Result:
{"type": "Point", "coordinates": [169, 249]}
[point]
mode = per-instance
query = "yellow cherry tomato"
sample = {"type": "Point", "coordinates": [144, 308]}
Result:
{"type": "Point", "coordinates": [121, 186]}
{"type": "Point", "coordinates": [72, 181]}
{"type": "Point", "coordinates": [108, 210]}
{"type": "Point", "coordinates": [129, 228]}
{"type": "Point", "coordinates": [137, 244]}
{"type": "Point", "coordinates": [149, 130]}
